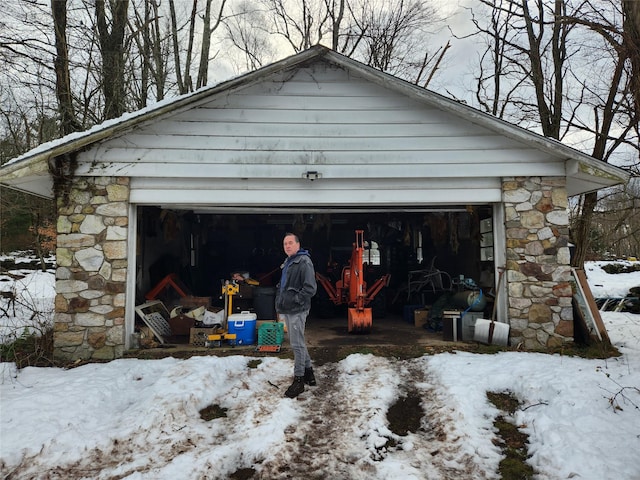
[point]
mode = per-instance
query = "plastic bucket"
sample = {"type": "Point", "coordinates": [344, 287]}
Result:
{"type": "Point", "coordinates": [244, 326]}
{"type": "Point", "coordinates": [264, 302]}
{"type": "Point", "coordinates": [491, 333]}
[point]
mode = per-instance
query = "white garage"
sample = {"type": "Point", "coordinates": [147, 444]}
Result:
{"type": "Point", "coordinates": [321, 145]}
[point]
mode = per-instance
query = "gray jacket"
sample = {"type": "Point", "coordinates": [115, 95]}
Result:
{"type": "Point", "coordinates": [297, 285]}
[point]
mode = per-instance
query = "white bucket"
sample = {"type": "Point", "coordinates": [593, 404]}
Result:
{"type": "Point", "coordinates": [484, 332]}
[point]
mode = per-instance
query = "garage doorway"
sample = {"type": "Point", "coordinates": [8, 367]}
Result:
{"type": "Point", "coordinates": [203, 248]}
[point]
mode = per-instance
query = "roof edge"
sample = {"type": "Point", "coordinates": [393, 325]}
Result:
{"type": "Point", "coordinates": [78, 140]}
{"type": "Point", "coordinates": [474, 115]}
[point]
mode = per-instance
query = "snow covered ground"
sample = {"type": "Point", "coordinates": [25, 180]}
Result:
{"type": "Point", "coordinates": [139, 419]}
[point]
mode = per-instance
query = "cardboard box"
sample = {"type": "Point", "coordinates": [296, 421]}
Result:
{"type": "Point", "coordinates": [198, 336]}
{"type": "Point", "coordinates": [420, 316]}
{"type": "Point", "coordinates": [281, 320]}
{"type": "Point", "coordinates": [407, 312]}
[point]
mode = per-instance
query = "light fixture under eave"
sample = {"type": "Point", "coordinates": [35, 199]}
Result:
{"type": "Point", "coordinates": [312, 175]}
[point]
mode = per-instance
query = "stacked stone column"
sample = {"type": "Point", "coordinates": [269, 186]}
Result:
{"type": "Point", "coordinates": [538, 268]}
{"type": "Point", "coordinates": [91, 269]}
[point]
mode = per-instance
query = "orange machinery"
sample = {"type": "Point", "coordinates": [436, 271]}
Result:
{"type": "Point", "coordinates": [352, 290]}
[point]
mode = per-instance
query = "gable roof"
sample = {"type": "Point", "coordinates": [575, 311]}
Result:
{"type": "Point", "coordinates": [29, 172]}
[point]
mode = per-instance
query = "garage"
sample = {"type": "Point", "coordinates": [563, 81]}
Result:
{"type": "Point", "coordinates": [204, 249]}
{"type": "Point", "coordinates": [207, 184]}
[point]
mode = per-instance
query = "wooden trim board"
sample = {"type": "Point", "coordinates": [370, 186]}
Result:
{"type": "Point", "coordinates": [583, 285]}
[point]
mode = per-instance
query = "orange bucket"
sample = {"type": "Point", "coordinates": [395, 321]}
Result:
{"type": "Point", "coordinates": [360, 320]}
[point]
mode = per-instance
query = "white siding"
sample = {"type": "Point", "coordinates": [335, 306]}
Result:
{"type": "Point", "coordinates": [316, 111]}
{"type": "Point", "coordinates": [320, 118]}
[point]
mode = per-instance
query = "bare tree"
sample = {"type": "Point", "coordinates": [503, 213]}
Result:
{"type": "Point", "coordinates": [615, 226]}
{"type": "Point", "coordinates": [183, 73]}
{"type": "Point", "coordinates": [111, 38]}
{"type": "Point", "coordinates": [207, 32]}
{"type": "Point", "coordinates": [24, 42]}
{"type": "Point", "coordinates": [614, 122]}
{"type": "Point", "coordinates": [300, 24]}
{"type": "Point", "coordinates": [631, 27]}
{"type": "Point", "coordinates": [256, 28]}
{"type": "Point", "coordinates": [16, 125]}
{"type": "Point", "coordinates": [141, 28]}
{"type": "Point", "coordinates": [538, 60]}
{"type": "Point", "coordinates": [336, 14]}
{"type": "Point", "coordinates": [150, 64]}
{"type": "Point", "coordinates": [68, 122]}
{"type": "Point", "coordinates": [394, 30]}
{"type": "Point", "coordinates": [389, 35]}
{"type": "Point", "coordinates": [253, 43]}
{"type": "Point", "coordinates": [524, 65]}
{"type": "Point", "coordinates": [22, 130]}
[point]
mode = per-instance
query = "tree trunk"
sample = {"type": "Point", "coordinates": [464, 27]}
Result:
{"type": "Point", "coordinates": [583, 227]}
{"type": "Point", "coordinates": [582, 235]}
{"type": "Point", "coordinates": [68, 122]}
{"type": "Point", "coordinates": [631, 26]}
{"type": "Point", "coordinates": [207, 31]}
{"type": "Point", "coordinates": [160, 58]}
{"type": "Point", "coordinates": [146, 55]}
{"type": "Point", "coordinates": [112, 50]}
{"type": "Point", "coordinates": [183, 77]}
{"type": "Point", "coordinates": [550, 112]}
{"type": "Point", "coordinates": [336, 17]}
{"type": "Point", "coordinates": [205, 46]}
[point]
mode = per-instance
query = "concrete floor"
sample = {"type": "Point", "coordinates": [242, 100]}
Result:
{"type": "Point", "coordinates": [391, 330]}
{"type": "Point", "coordinates": [325, 334]}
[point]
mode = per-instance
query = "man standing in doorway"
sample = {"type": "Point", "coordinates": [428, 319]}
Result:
{"type": "Point", "coordinates": [293, 302]}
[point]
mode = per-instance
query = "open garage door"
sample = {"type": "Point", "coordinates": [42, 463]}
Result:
{"type": "Point", "coordinates": [204, 247]}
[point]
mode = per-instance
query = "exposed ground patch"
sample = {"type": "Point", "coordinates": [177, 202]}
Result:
{"type": "Point", "coordinates": [405, 415]}
{"type": "Point", "coordinates": [510, 439]}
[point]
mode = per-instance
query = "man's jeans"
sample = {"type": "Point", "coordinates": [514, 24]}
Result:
{"type": "Point", "coordinates": [296, 323]}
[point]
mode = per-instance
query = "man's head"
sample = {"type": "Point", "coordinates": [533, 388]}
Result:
{"type": "Point", "coordinates": [291, 244]}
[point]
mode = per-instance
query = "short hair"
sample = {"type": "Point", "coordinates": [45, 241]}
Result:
{"type": "Point", "coordinates": [289, 234]}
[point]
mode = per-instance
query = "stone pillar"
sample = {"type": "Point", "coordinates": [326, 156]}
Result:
{"type": "Point", "coordinates": [91, 269]}
{"type": "Point", "coordinates": [538, 268]}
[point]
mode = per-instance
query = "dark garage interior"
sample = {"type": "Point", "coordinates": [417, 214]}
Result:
{"type": "Point", "coordinates": [204, 249]}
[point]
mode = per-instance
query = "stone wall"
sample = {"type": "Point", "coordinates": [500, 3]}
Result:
{"type": "Point", "coordinates": [538, 264]}
{"type": "Point", "coordinates": [92, 266]}
{"type": "Point", "coordinates": [91, 269]}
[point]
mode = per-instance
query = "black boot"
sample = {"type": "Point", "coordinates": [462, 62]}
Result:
{"type": "Point", "coordinates": [309, 378]}
{"type": "Point", "coordinates": [296, 388]}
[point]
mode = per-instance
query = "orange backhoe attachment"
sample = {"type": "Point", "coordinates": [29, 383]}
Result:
{"type": "Point", "coordinates": [352, 289]}
{"type": "Point", "coordinates": [360, 321]}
